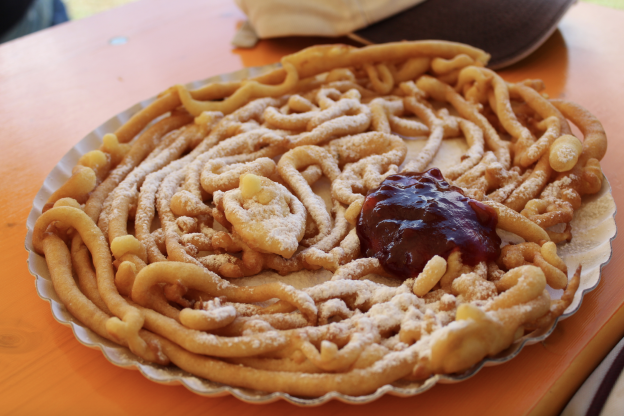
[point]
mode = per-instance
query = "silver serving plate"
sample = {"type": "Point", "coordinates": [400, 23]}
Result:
{"type": "Point", "coordinates": [593, 227]}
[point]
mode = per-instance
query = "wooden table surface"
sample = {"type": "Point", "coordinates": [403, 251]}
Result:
{"type": "Point", "coordinates": [59, 84]}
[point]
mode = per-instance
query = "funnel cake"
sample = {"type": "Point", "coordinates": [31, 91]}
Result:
{"type": "Point", "coordinates": [281, 175]}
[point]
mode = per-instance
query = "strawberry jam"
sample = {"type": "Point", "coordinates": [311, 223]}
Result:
{"type": "Point", "coordinates": [412, 217]}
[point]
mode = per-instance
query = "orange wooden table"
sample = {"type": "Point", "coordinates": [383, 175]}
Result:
{"type": "Point", "coordinates": [59, 84]}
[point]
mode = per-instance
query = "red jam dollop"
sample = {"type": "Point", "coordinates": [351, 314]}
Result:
{"type": "Point", "coordinates": [412, 217]}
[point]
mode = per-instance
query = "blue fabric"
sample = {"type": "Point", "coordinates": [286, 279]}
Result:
{"type": "Point", "coordinates": [59, 13]}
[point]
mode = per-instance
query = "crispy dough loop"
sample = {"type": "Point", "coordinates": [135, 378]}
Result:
{"type": "Point", "coordinates": [381, 112]}
{"type": "Point", "coordinates": [358, 269]}
{"type": "Point", "coordinates": [443, 92]}
{"type": "Point", "coordinates": [436, 129]}
{"type": "Point", "coordinates": [454, 268]}
{"type": "Point", "coordinates": [522, 136]}
{"type": "Point", "coordinates": [81, 182]}
{"type": "Point", "coordinates": [380, 77]}
{"type": "Point", "coordinates": [296, 121]}
{"type": "Point", "coordinates": [595, 139]}
{"type": "Point", "coordinates": [80, 306]}
{"type": "Point", "coordinates": [514, 222]}
{"type": "Point", "coordinates": [240, 145]}
{"type": "Point", "coordinates": [564, 153]}
{"type": "Point", "coordinates": [532, 186]}
{"type": "Point", "coordinates": [266, 215]}
{"type": "Point", "coordinates": [443, 66]}
{"type": "Point", "coordinates": [474, 138]}
{"type": "Point", "coordinates": [558, 307]}
{"type": "Point", "coordinates": [490, 333]}
{"type": "Point", "coordinates": [199, 278]}
{"type": "Point", "coordinates": [519, 285]}
{"type": "Point", "coordinates": [172, 176]}
{"type": "Point", "coordinates": [145, 144]}
{"type": "Point", "coordinates": [248, 90]}
{"type": "Point", "coordinates": [544, 257]}
{"type": "Point", "coordinates": [430, 276]}
{"type": "Point", "coordinates": [212, 316]}
{"type": "Point", "coordinates": [331, 259]}
{"type": "Point", "coordinates": [586, 176]}
{"type": "Point", "coordinates": [337, 118]}
{"type": "Point", "coordinates": [126, 328]}
{"type": "Point", "coordinates": [375, 155]}
{"type": "Point", "coordinates": [528, 155]}
{"type": "Point", "coordinates": [289, 166]}
{"type": "Point", "coordinates": [547, 212]}
{"type": "Point", "coordinates": [219, 176]}
{"type": "Point", "coordinates": [541, 146]}
{"type": "Point", "coordinates": [148, 175]}
{"type": "Point", "coordinates": [474, 84]}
